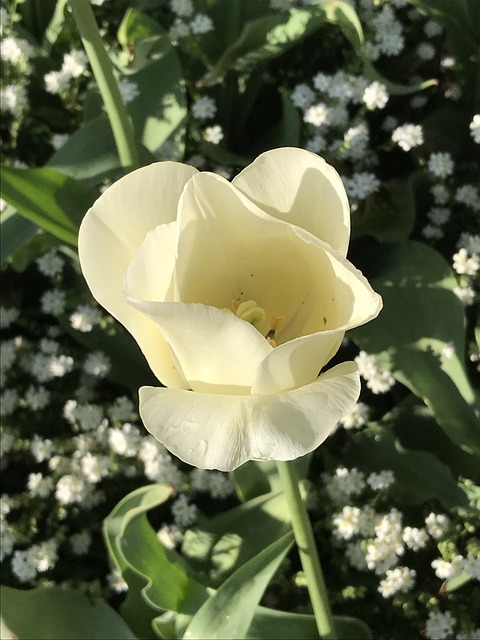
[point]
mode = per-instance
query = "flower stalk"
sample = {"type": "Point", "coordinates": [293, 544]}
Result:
{"type": "Point", "coordinates": [118, 116]}
{"type": "Point", "coordinates": [307, 549]}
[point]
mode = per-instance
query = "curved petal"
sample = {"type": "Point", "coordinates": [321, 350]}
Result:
{"type": "Point", "coordinates": [296, 363]}
{"type": "Point", "coordinates": [299, 187]}
{"type": "Point", "coordinates": [215, 351]}
{"type": "Point", "coordinates": [228, 249]}
{"type": "Point", "coordinates": [112, 231]}
{"type": "Point", "coordinates": [222, 432]}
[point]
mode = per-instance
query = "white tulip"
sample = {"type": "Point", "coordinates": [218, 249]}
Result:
{"type": "Point", "coordinates": [238, 294]}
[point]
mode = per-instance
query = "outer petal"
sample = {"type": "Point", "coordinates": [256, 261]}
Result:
{"type": "Point", "coordinates": [296, 363]}
{"type": "Point", "coordinates": [222, 432]}
{"type": "Point", "coordinates": [112, 231]}
{"type": "Point", "coordinates": [301, 188]}
{"type": "Point", "coordinates": [215, 351]}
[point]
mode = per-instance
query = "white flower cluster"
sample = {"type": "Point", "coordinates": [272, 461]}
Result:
{"type": "Point", "coordinates": [378, 380]}
{"type": "Point", "coordinates": [408, 136]}
{"type": "Point", "coordinates": [186, 23]}
{"type": "Point", "coordinates": [74, 65]}
{"type": "Point", "coordinates": [440, 625]}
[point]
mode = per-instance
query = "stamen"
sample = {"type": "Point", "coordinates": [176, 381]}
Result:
{"type": "Point", "coordinates": [250, 311]}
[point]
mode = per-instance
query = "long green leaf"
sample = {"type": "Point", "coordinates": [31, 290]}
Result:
{"type": "Point", "coordinates": [60, 614]}
{"type": "Point", "coordinates": [229, 612]}
{"type": "Point", "coordinates": [220, 546]}
{"type": "Point", "coordinates": [48, 198]}
{"type": "Point", "coordinates": [158, 579]}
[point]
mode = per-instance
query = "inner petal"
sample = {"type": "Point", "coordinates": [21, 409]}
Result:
{"type": "Point", "coordinates": [228, 249]}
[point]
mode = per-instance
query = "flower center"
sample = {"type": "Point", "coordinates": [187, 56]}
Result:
{"type": "Point", "coordinates": [251, 312]}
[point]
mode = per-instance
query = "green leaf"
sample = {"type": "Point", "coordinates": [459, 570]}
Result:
{"type": "Point", "coordinates": [265, 38]}
{"type": "Point", "coordinates": [48, 198]}
{"type": "Point", "coordinates": [388, 215]}
{"type": "Point", "coordinates": [421, 320]}
{"type": "Point", "coordinates": [223, 544]}
{"type": "Point", "coordinates": [135, 26]}
{"type": "Point", "coordinates": [345, 16]}
{"type": "Point", "coordinates": [90, 153]}
{"type": "Point", "coordinates": [256, 478]}
{"type": "Point", "coordinates": [452, 584]}
{"type": "Point", "coordinates": [229, 612]}
{"type": "Point", "coordinates": [282, 625]}
{"type": "Point", "coordinates": [15, 231]}
{"type": "Point", "coordinates": [55, 25]}
{"type": "Point", "coordinates": [419, 475]}
{"type": "Point", "coordinates": [158, 578]}
{"type": "Point", "coordinates": [159, 113]}
{"type": "Point", "coordinates": [416, 428]}
{"type": "Point", "coordinates": [58, 613]}
{"type": "Point", "coordinates": [394, 88]}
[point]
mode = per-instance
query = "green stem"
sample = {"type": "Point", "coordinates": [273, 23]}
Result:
{"type": "Point", "coordinates": [308, 551]}
{"type": "Point", "coordinates": [120, 122]}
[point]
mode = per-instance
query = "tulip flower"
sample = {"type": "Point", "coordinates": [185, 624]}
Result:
{"type": "Point", "coordinates": [239, 294]}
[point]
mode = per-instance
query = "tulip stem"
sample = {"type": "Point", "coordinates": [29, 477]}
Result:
{"type": "Point", "coordinates": [118, 116]}
{"type": "Point", "coordinates": [307, 549]}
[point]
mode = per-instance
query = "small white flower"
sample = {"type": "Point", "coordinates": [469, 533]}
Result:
{"type": "Point", "coordinates": [357, 418]}
{"type": "Point", "coordinates": [184, 514]}
{"type": "Point", "coordinates": [201, 24]}
{"type": "Point", "coordinates": [414, 538]}
{"type": "Point", "coordinates": [183, 8]}
{"type": "Point", "coordinates": [400, 579]}
{"type": "Point", "coordinates": [317, 114]}
{"type": "Point", "coordinates": [128, 90]}
{"type": "Point", "coordinates": [475, 128]}
{"type": "Point", "coordinates": [13, 99]}
{"type": "Point", "coordinates": [302, 96]}
{"type": "Point", "coordinates": [437, 524]}
{"type": "Point", "coordinates": [213, 134]}
{"type": "Point", "coordinates": [439, 625]}
{"type": "Point", "coordinates": [466, 295]}
{"type": "Point", "coordinates": [8, 316]}
{"type": "Point", "coordinates": [84, 318]}
{"type": "Point", "coordinates": [425, 51]}
{"type": "Point", "coordinates": [97, 364]}
{"type": "Point", "coordinates": [440, 193]}
{"type": "Point", "coordinates": [408, 136]}
{"type": "Point", "coordinates": [464, 263]}
{"type": "Point", "coordinates": [375, 95]}
{"type": "Point", "coordinates": [56, 82]}
{"type": "Point", "coordinates": [381, 480]}
{"type": "Point", "coordinates": [80, 542]}
{"type": "Point", "coordinates": [74, 63]}
{"type": "Point", "coordinates": [23, 566]}
{"type": "Point", "coordinates": [204, 108]}
{"type": "Point", "coordinates": [50, 264]}
{"type": "Point", "coordinates": [440, 164]}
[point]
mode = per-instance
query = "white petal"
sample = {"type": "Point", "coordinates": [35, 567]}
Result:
{"type": "Point", "coordinates": [150, 273]}
{"type": "Point", "coordinates": [296, 363]}
{"type": "Point", "coordinates": [301, 188]}
{"type": "Point", "coordinates": [110, 234]}
{"type": "Point", "coordinates": [215, 351]}
{"type": "Point", "coordinates": [222, 432]}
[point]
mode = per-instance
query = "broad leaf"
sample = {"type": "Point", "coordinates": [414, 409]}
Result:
{"type": "Point", "coordinates": [229, 612]}
{"type": "Point", "coordinates": [419, 475]}
{"type": "Point", "coordinates": [48, 198]}
{"type": "Point", "coordinates": [220, 546]}
{"type": "Point", "coordinates": [15, 231]}
{"type": "Point", "coordinates": [158, 579]}
{"type": "Point", "coordinates": [281, 625]}
{"type": "Point", "coordinates": [422, 320]}
{"type": "Point", "coordinates": [58, 613]}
